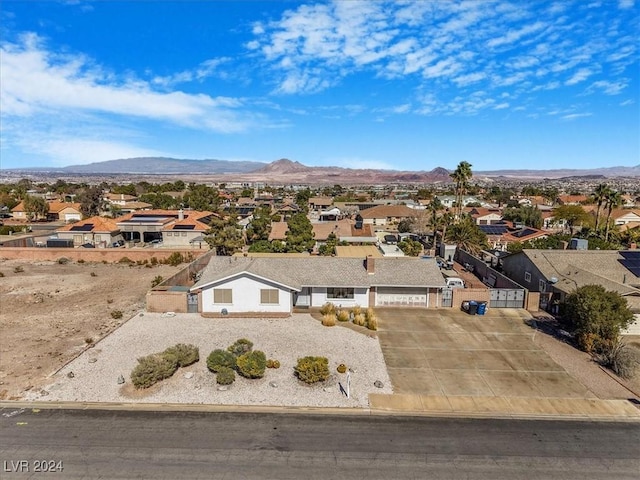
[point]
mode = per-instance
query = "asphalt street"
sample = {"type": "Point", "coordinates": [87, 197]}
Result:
{"type": "Point", "coordinates": [117, 444]}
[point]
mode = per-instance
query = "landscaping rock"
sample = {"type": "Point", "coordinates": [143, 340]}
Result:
{"type": "Point", "coordinates": [70, 375]}
{"type": "Point", "coordinates": [120, 380]}
{"type": "Point", "coordinates": [188, 375]}
{"type": "Point", "coordinates": [273, 384]}
{"type": "Point", "coordinates": [93, 360]}
{"type": "Point", "coordinates": [223, 388]}
{"type": "Point", "coordinates": [378, 384]}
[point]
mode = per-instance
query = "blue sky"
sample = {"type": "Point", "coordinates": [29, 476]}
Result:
{"type": "Point", "coordinates": [398, 85]}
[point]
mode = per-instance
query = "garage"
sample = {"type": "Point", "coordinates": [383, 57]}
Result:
{"type": "Point", "coordinates": [401, 296]}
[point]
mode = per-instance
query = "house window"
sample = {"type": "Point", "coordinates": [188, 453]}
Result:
{"type": "Point", "coordinates": [222, 295]}
{"type": "Point", "coordinates": [340, 293]}
{"type": "Point", "coordinates": [527, 276]}
{"type": "Point", "coordinates": [269, 295]}
{"type": "Point", "coordinates": [98, 238]}
{"type": "Point", "coordinates": [184, 234]}
{"type": "Point", "coordinates": [168, 234]}
{"type": "Point", "coordinates": [542, 286]}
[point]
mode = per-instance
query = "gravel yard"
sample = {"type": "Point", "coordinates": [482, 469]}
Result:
{"type": "Point", "coordinates": [93, 375]}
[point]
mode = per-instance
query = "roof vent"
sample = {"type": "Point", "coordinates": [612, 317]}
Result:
{"type": "Point", "coordinates": [553, 280]}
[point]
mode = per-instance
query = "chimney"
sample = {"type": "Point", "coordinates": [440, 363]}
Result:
{"type": "Point", "coordinates": [633, 246]}
{"type": "Point", "coordinates": [370, 264]}
{"type": "Point", "coordinates": [180, 214]}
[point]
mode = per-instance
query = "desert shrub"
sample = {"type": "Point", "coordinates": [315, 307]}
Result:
{"type": "Point", "coordinates": [18, 269]}
{"type": "Point", "coordinates": [63, 260]}
{"type": "Point", "coordinates": [109, 301]}
{"type": "Point", "coordinates": [184, 354]}
{"type": "Point", "coordinates": [94, 274]}
{"type": "Point", "coordinates": [329, 319]}
{"type": "Point", "coordinates": [356, 310]}
{"type": "Point", "coordinates": [81, 260]}
{"type": "Point", "coordinates": [327, 308]}
{"type": "Point", "coordinates": [342, 368]}
{"type": "Point", "coordinates": [125, 260]}
{"type": "Point", "coordinates": [240, 347]}
{"type": "Point", "coordinates": [220, 358]}
{"type": "Point", "coordinates": [88, 340]}
{"type": "Point", "coordinates": [252, 364]}
{"type": "Point", "coordinates": [273, 363]}
{"type": "Point", "coordinates": [620, 358]}
{"type": "Point", "coordinates": [154, 261]}
{"type": "Point", "coordinates": [225, 376]}
{"type": "Point", "coordinates": [312, 369]}
{"type": "Point", "coordinates": [156, 281]}
{"type": "Point", "coordinates": [153, 368]}
{"type": "Point", "coordinates": [175, 259]}
{"type": "Point", "coordinates": [372, 319]}
{"type": "Point", "coordinates": [359, 319]}
{"type": "Point", "coordinates": [116, 314]}
{"type": "Point", "coordinates": [343, 316]}
{"type": "Point", "coordinates": [1, 274]}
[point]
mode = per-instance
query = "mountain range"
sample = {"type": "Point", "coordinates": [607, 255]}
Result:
{"type": "Point", "coordinates": [288, 171]}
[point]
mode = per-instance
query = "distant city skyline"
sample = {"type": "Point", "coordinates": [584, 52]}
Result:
{"type": "Point", "coordinates": [360, 84]}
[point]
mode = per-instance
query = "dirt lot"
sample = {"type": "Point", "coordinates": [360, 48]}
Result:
{"type": "Point", "coordinates": [50, 312]}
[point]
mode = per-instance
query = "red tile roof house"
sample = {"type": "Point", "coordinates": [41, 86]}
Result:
{"type": "Point", "coordinates": [345, 230]}
{"type": "Point", "coordinates": [174, 228]}
{"type": "Point", "coordinates": [66, 212]}
{"type": "Point", "coordinates": [277, 285]}
{"type": "Point", "coordinates": [102, 232]}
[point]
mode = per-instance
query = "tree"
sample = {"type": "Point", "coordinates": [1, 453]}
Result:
{"type": "Point", "coordinates": [596, 316]}
{"type": "Point", "coordinates": [461, 176]}
{"type": "Point", "coordinates": [600, 195]}
{"type": "Point", "coordinates": [329, 248]}
{"type": "Point", "coordinates": [260, 226]}
{"type": "Point", "coordinates": [528, 214]}
{"type": "Point", "coordinates": [225, 235]}
{"type": "Point", "coordinates": [572, 214]}
{"type": "Point", "coordinates": [35, 207]}
{"type": "Point", "coordinates": [409, 247]}
{"type": "Point", "coordinates": [90, 201]}
{"type": "Point", "coordinates": [202, 197]}
{"type": "Point", "coordinates": [406, 225]}
{"type": "Point", "coordinates": [467, 236]}
{"type": "Point", "coordinates": [299, 236]}
{"type": "Point", "coordinates": [614, 200]}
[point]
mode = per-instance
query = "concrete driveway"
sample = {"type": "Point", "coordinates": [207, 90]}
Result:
{"type": "Point", "coordinates": [449, 353]}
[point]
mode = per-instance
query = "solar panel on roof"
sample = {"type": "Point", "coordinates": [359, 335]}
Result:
{"type": "Point", "coordinates": [184, 227]}
{"type": "Point", "coordinates": [493, 229]}
{"type": "Point", "coordinates": [631, 255]}
{"type": "Point", "coordinates": [87, 227]}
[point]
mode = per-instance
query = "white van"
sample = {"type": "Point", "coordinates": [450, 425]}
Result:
{"type": "Point", "coordinates": [454, 282]}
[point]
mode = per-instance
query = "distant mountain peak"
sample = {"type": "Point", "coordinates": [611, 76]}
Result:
{"type": "Point", "coordinates": [283, 166]}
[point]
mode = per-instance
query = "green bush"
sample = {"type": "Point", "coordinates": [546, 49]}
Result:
{"type": "Point", "coordinates": [116, 314]}
{"type": "Point", "coordinates": [273, 363]}
{"type": "Point", "coordinates": [175, 259]}
{"type": "Point", "coordinates": [327, 308]}
{"type": "Point", "coordinates": [185, 355]}
{"type": "Point", "coordinates": [219, 359]}
{"type": "Point", "coordinates": [153, 368]}
{"type": "Point", "coordinates": [312, 369]}
{"type": "Point", "coordinates": [240, 347]}
{"type": "Point", "coordinates": [225, 376]}
{"type": "Point", "coordinates": [156, 281]}
{"type": "Point", "coordinates": [252, 364]}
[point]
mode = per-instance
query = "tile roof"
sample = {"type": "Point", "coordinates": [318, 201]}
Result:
{"type": "Point", "coordinates": [387, 211]}
{"type": "Point", "coordinates": [57, 207]}
{"type": "Point", "coordinates": [100, 224]}
{"type": "Point", "coordinates": [326, 271]}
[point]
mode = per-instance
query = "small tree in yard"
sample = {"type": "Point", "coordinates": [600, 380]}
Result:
{"type": "Point", "coordinates": [596, 317]}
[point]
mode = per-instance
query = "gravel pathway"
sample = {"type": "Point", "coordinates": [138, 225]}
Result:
{"type": "Point", "coordinates": [92, 377]}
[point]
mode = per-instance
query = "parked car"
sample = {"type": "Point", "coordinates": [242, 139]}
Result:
{"type": "Point", "coordinates": [444, 264]}
{"type": "Point", "coordinates": [454, 282]}
{"type": "Point", "coordinates": [390, 239]}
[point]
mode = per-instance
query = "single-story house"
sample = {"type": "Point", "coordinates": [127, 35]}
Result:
{"type": "Point", "coordinates": [102, 232]}
{"type": "Point", "coordinates": [280, 284]}
{"type": "Point", "coordinates": [172, 227]}
{"type": "Point", "coordinates": [345, 230]}
{"type": "Point", "coordinates": [571, 199]}
{"type": "Point", "coordinates": [62, 211]}
{"type": "Point", "coordinates": [119, 198]}
{"type": "Point", "coordinates": [557, 273]}
{"type": "Point", "coordinates": [320, 203]}
{"type": "Point", "coordinates": [385, 215]}
{"type": "Point", "coordinates": [485, 216]}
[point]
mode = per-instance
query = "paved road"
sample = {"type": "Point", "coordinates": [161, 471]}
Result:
{"type": "Point", "coordinates": [170, 445]}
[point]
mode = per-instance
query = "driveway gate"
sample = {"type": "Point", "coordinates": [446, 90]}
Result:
{"type": "Point", "coordinates": [192, 303]}
{"type": "Point", "coordinates": [506, 298]}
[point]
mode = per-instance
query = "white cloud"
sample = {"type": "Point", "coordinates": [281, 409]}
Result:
{"type": "Point", "coordinates": [609, 88]}
{"type": "Point", "coordinates": [625, 4]}
{"type": "Point", "coordinates": [626, 103]}
{"type": "Point", "coordinates": [580, 76]}
{"type": "Point", "coordinates": [574, 116]}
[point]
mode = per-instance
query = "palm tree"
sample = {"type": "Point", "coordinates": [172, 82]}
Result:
{"type": "Point", "coordinates": [434, 209]}
{"type": "Point", "coordinates": [600, 197]}
{"type": "Point", "coordinates": [467, 236]}
{"type": "Point", "coordinates": [461, 176]}
{"type": "Point", "coordinates": [614, 200]}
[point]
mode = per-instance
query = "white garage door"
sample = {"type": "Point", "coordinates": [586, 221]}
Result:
{"type": "Point", "coordinates": [411, 297]}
